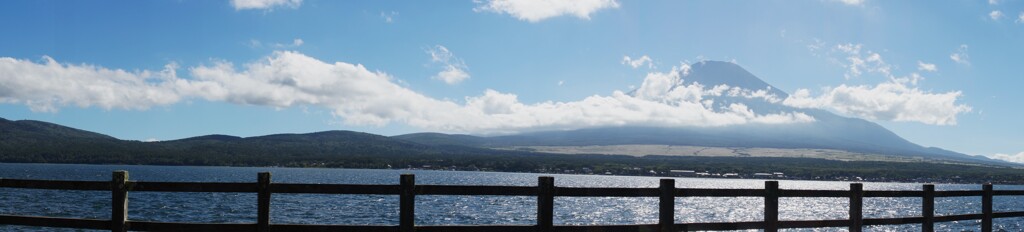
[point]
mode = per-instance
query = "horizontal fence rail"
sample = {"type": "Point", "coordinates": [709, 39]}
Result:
{"type": "Point", "coordinates": [545, 191]}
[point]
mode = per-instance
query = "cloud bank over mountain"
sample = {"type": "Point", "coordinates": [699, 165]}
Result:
{"type": "Point", "coordinates": [358, 96]}
{"type": "Point", "coordinates": [896, 98]}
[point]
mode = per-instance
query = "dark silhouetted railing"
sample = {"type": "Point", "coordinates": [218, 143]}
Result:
{"type": "Point", "coordinates": [545, 191]}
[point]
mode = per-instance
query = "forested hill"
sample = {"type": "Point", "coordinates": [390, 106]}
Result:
{"type": "Point", "coordinates": [40, 142]}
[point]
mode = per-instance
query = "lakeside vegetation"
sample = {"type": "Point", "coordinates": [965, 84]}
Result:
{"type": "Point", "coordinates": [396, 156]}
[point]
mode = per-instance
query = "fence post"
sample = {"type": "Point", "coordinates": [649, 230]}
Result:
{"type": "Point", "coordinates": [986, 208]}
{"type": "Point", "coordinates": [119, 201]}
{"type": "Point", "coordinates": [407, 204]}
{"type": "Point", "coordinates": [771, 206]}
{"type": "Point", "coordinates": [545, 203]}
{"type": "Point", "coordinates": [667, 205]}
{"type": "Point", "coordinates": [263, 199]}
{"type": "Point", "coordinates": [928, 208]}
{"type": "Point", "coordinates": [856, 207]}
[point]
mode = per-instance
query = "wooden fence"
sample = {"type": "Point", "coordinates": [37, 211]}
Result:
{"type": "Point", "coordinates": [545, 192]}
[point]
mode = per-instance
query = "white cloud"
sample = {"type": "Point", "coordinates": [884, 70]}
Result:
{"type": "Point", "coordinates": [1016, 158]}
{"type": "Point", "coordinates": [960, 56]}
{"type": "Point", "coordinates": [388, 17]}
{"type": "Point", "coordinates": [254, 43]}
{"type": "Point", "coordinates": [815, 46]}
{"type": "Point", "coordinates": [358, 96]}
{"type": "Point", "coordinates": [891, 101]}
{"type": "Point", "coordinates": [1020, 18]}
{"type": "Point", "coordinates": [452, 75]}
{"type": "Point", "coordinates": [264, 4]}
{"type": "Point", "coordinates": [993, 2]}
{"type": "Point", "coordinates": [995, 15]}
{"type": "Point", "coordinates": [858, 62]}
{"type": "Point", "coordinates": [361, 97]}
{"type": "Point", "coordinates": [637, 63]}
{"type": "Point", "coordinates": [560, 83]}
{"type": "Point", "coordinates": [538, 10]}
{"type": "Point", "coordinates": [853, 2]}
{"type": "Point", "coordinates": [49, 85]}
{"type": "Point", "coordinates": [896, 99]}
{"type": "Point", "coordinates": [454, 68]}
{"type": "Point", "coordinates": [922, 66]}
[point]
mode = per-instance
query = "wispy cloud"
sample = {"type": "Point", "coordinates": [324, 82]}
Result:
{"type": "Point", "coordinates": [454, 68]}
{"type": "Point", "coordinates": [639, 62]}
{"type": "Point", "coordinates": [927, 67]}
{"type": "Point", "coordinates": [264, 4]}
{"type": "Point", "coordinates": [539, 10]}
{"type": "Point", "coordinates": [388, 17]}
{"type": "Point", "coordinates": [996, 15]}
{"type": "Point", "coordinates": [358, 96]}
{"type": "Point", "coordinates": [254, 43]}
{"type": "Point", "coordinates": [1020, 18]}
{"type": "Point", "coordinates": [852, 2]}
{"type": "Point", "coordinates": [857, 62]}
{"type": "Point", "coordinates": [960, 56]}
{"type": "Point", "coordinates": [297, 42]}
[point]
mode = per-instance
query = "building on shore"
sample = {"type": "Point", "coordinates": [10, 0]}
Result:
{"type": "Point", "coordinates": [682, 173]}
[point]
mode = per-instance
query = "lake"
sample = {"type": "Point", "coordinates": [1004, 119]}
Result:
{"type": "Point", "coordinates": [445, 210]}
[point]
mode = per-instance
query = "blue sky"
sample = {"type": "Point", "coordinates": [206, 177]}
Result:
{"type": "Point", "coordinates": [939, 73]}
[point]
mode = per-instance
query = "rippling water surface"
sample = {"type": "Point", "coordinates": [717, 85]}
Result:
{"type": "Point", "coordinates": [445, 210]}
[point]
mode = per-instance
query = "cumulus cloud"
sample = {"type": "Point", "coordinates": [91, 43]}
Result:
{"type": "Point", "coordinates": [995, 15]}
{"type": "Point", "coordinates": [896, 99]}
{"type": "Point", "coordinates": [892, 101]}
{"type": "Point", "coordinates": [637, 63]}
{"type": "Point", "coordinates": [539, 10]}
{"type": "Point", "coordinates": [48, 85]}
{"type": "Point", "coordinates": [358, 96]}
{"type": "Point", "coordinates": [1016, 158]}
{"type": "Point", "coordinates": [922, 66]}
{"type": "Point", "coordinates": [960, 55]}
{"type": "Point", "coordinates": [454, 69]}
{"type": "Point", "coordinates": [264, 4]}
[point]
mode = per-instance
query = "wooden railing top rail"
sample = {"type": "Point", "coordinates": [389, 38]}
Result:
{"type": "Point", "coordinates": [545, 192]}
{"type": "Point", "coordinates": [482, 190]}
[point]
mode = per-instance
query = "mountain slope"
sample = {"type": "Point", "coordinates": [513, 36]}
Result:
{"type": "Point", "coordinates": [30, 129]}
